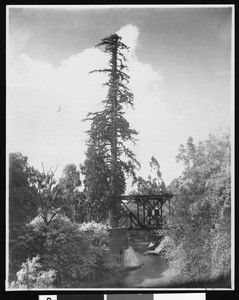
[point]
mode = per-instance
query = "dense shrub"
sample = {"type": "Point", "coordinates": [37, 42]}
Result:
{"type": "Point", "coordinates": [99, 237]}
{"type": "Point", "coordinates": [26, 245]}
{"type": "Point", "coordinates": [31, 276]}
{"type": "Point", "coordinates": [69, 251]}
{"type": "Point", "coordinates": [77, 252]}
{"type": "Point", "coordinates": [201, 214]}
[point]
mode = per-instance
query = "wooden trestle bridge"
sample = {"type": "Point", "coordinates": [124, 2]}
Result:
{"type": "Point", "coordinates": [143, 211]}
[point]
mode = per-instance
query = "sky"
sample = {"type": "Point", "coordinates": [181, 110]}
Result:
{"type": "Point", "coordinates": [180, 74]}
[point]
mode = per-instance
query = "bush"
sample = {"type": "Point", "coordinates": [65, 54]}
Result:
{"type": "Point", "coordinates": [99, 236]}
{"type": "Point", "coordinates": [78, 252]}
{"type": "Point", "coordinates": [99, 232]}
{"type": "Point", "coordinates": [31, 276]}
{"type": "Point", "coordinates": [27, 244]}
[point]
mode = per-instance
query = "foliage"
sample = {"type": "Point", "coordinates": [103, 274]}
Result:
{"type": "Point", "coordinates": [151, 185]}
{"type": "Point", "coordinates": [22, 206]}
{"type": "Point", "coordinates": [38, 223]}
{"type": "Point", "coordinates": [99, 234]}
{"type": "Point", "coordinates": [109, 133]}
{"type": "Point", "coordinates": [202, 210]}
{"type": "Point", "coordinates": [70, 198]}
{"type": "Point", "coordinates": [96, 184]}
{"type": "Point", "coordinates": [31, 276]}
{"type": "Point", "coordinates": [52, 197]}
{"type": "Point", "coordinates": [36, 196]}
{"type": "Point", "coordinates": [27, 244]}
{"type": "Point", "coordinates": [21, 201]}
{"type": "Point", "coordinates": [46, 188]}
{"type": "Point", "coordinates": [99, 229]}
{"type": "Point", "coordinates": [77, 252]}
{"type": "Point", "coordinates": [31, 192]}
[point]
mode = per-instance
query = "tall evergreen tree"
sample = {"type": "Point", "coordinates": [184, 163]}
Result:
{"type": "Point", "coordinates": [110, 130]}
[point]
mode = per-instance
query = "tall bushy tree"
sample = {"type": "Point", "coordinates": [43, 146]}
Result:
{"type": "Point", "coordinates": [110, 130]}
{"type": "Point", "coordinates": [153, 185]}
{"type": "Point", "coordinates": [46, 188]}
{"type": "Point", "coordinates": [70, 198]}
{"type": "Point", "coordinates": [202, 210]}
{"type": "Point", "coordinates": [22, 206]}
{"type": "Point", "coordinates": [31, 193]}
{"type": "Point", "coordinates": [53, 196]}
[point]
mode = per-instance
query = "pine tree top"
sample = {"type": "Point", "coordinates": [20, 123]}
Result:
{"type": "Point", "coordinates": [112, 42]}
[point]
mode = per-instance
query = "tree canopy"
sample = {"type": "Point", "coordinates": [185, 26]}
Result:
{"type": "Point", "coordinates": [22, 206]}
{"type": "Point", "coordinates": [201, 214]}
{"type": "Point", "coordinates": [153, 185]}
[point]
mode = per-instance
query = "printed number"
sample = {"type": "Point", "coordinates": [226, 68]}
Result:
{"type": "Point", "coordinates": [47, 297]}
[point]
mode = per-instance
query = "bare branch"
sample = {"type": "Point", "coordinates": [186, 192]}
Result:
{"type": "Point", "coordinates": [56, 168]}
{"type": "Point", "coordinates": [43, 168]}
{"type": "Point", "coordinates": [57, 191]}
{"type": "Point", "coordinates": [53, 215]}
{"type": "Point", "coordinates": [49, 171]}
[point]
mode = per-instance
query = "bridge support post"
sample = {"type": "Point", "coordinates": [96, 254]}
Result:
{"type": "Point", "coordinates": [119, 242]}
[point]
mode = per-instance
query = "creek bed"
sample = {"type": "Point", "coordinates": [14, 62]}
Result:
{"type": "Point", "coordinates": [149, 274]}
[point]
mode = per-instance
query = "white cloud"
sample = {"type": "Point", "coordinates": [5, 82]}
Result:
{"type": "Point", "coordinates": [46, 104]}
{"type": "Point", "coordinates": [129, 34]}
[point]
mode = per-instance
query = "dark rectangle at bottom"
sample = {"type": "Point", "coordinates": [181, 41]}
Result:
{"type": "Point", "coordinates": [80, 297]}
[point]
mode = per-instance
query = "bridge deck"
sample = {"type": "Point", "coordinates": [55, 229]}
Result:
{"type": "Point", "coordinates": [146, 197]}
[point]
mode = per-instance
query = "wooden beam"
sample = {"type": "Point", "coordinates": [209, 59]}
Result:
{"type": "Point", "coordinates": [145, 228]}
{"type": "Point", "coordinates": [132, 215]}
{"type": "Point", "coordinates": [146, 197]}
{"type": "Point", "coordinates": [144, 212]}
{"type": "Point", "coordinates": [138, 210]}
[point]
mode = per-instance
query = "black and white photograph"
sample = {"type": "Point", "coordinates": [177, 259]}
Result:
{"type": "Point", "coordinates": [119, 147]}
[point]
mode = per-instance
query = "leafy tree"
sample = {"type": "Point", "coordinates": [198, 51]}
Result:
{"type": "Point", "coordinates": [57, 197]}
{"type": "Point", "coordinates": [22, 207]}
{"type": "Point", "coordinates": [110, 130]}
{"type": "Point", "coordinates": [70, 198]}
{"type": "Point", "coordinates": [33, 193]}
{"type": "Point", "coordinates": [21, 201]}
{"type": "Point", "coordinates": [151, 185]}
{"type": "Point", "coordinates": [202, 210]}
{"type": "Point", "coordinates": [30, 192]}
{"type": "Point", "coordinates": [45, 187]}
